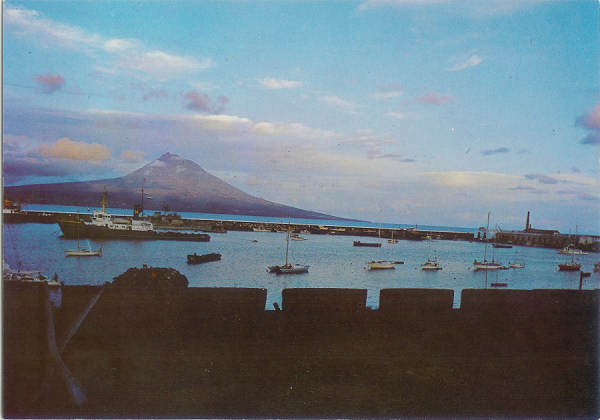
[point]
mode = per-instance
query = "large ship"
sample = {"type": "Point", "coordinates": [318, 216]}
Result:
{"type": "Point", "coordinates": [106, 226]}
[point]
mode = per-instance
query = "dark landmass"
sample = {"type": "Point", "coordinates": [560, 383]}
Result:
{"type": "Point", "coordinates": [149, 348]}
{"type": "Point", "coordinates": [171, 181]}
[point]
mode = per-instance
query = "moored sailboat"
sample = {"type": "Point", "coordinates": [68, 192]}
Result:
{"type": "Point", "coordinates": [288, 268]}
{"type": "Point", "coordinates": [485, 264]}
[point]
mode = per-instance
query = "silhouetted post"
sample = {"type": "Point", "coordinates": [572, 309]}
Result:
{"type": "Point", "coordinates": [580, 279]}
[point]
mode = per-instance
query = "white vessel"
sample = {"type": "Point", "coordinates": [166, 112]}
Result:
{"type": "Point", "coordinates": [288, 268]}
{"type": "Point", "coordinates": [431, 265]}
{"type": "Point", "coordinates": [485, 264]}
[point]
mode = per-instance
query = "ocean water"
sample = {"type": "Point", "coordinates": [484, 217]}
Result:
{"type": "Point", "coordinates": [333, 260]}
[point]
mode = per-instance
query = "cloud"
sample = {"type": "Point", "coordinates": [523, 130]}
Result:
{"type": "Point", "coordinates": [344, 105]}
{"type": "Point", "coordinates": [202, 102]}
{"type": "Point", "coordinates": [433, 98]}
{"type": "Point", "coordinates": [522, 188]}
{"type": "Point", "coordinates": [132, 156]}
{"type": "Point", "coordinates": [49, 83]}
{"type": "Point", "coordinates": [126, 54]}
{"type": "Point", "coordinates": [271, 83]}
{"type": "Point", "coordinates": [391, 90]}
{"type": "Point", "coordinates": [590, 121]}
{"type": "Point", "coordinates": [396, 115]}
{"type": "Point", "coordinates": [14, 169]}
{"type": "Point", "coordinates": [66, 148]}
{"type": "Point", "coordinates": [161, 65]}
{"type": "Point", "coordinates": [472, 61]}
{"type": "Point", "coordinates": [495, 151]}
{"type": "Point", "coordinates": [542, 179]}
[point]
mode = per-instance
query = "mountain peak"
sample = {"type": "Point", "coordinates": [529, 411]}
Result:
{"type": "Point", "coordinates": [170, 156]}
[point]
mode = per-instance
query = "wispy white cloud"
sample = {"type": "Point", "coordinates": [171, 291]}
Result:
{"type": "Point", "coordinates": [271, 83]}
{"type": "Point", "coordinates": [126, 54]}
{"type": "Point", "coordinates": [344, 105]}
{"type": "Point", "coordinates": [472, 61]}
{"type": "Point", "coordinates": [396, 115]}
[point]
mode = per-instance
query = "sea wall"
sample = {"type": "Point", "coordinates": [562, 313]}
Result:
{"type": "Point", "coordinates": [216, 352]}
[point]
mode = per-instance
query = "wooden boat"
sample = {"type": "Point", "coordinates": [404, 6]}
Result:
{"type": "Point", "coordinates": [498, 284]}
{"type": "Point", "coordinates": [570, 266]}
{"type": "Point", "coordinates": [199, 259]}
{"type": "Point", "coordinates": [372, 244]}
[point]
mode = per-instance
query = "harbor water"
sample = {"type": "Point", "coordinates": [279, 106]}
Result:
{"type": "Point", "coordinates": [333, 260]}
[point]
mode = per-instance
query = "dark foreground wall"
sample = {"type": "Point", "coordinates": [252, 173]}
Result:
{"type": "Point", "coordinates": [205, 352]}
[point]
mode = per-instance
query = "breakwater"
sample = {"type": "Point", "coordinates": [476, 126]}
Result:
{"type": "Point", "coordinates": [198, 352]}
{"type": "Point", "coordinates": [221, 226]}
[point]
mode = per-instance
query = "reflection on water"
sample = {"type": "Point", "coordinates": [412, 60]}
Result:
{"type": "Point", "coordinates": [333, 261]}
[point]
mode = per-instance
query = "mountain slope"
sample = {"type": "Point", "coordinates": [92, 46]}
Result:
{"type": "Point", "coordinates": [170, 180]}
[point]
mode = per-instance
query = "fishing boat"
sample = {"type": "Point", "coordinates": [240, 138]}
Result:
{"type": "Point", "coordinates": [485, 264]}
{"type": "Point", "coordinates": [199, 259]}
{"type": "Point", "coordinates": [106, 226]}
{"type": "Point", "coordinates": [288, 268]}
{"type": "Point", "coordinates": [296, 237]}
{"type": "Point", "coordinates": [431, 265]}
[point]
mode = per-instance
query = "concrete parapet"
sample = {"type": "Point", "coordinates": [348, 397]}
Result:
{"type": "Point", "coordinates": [415, 303]}
{"type": "Point", "coordinates": [334, 302]}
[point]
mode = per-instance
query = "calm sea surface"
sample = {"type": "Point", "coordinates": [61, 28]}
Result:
{"type": "Point", "coordinates": [333, 261]}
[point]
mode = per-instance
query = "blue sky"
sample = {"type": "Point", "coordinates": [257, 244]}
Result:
{"type": "Point", "coordinates": [406, 111]}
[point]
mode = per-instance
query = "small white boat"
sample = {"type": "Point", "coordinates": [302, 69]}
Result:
{"type": "Point", "coordinates": [488, 265]}
{"type": "Point", "coordinates": [381, 265]}
{"type": "Point", "coordinates": [568, 250]}
{"type": "Point", "coordinates": [516, 265]}
{"type": "Point", "coordinates": [261, 229]}
{"type": "Point", "coordinates": [431, 265]}
{"type": "Point", "coordinates": [485, 264]}
{"type": "Point", "coordinates": [296, 237]}
{"type": "Point", "coordinates": [83, 252]}
{"type": "Point", "coordinates": [288, 268]}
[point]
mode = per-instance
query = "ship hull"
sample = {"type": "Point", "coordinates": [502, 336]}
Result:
{"type": "Point", "coordinates": [74, 230]}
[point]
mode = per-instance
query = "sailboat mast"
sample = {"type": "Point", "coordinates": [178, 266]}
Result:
{"type": "Point", "coordinates": [287, 245]}
{"type": "Point", "coordinates": [487, 232]}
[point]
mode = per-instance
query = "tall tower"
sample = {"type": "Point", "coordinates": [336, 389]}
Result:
{"type": "Point", "coordinates": [527, 226]}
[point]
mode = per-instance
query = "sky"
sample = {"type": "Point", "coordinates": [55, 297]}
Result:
{"type": "Point", "coordinates": [400, 111]}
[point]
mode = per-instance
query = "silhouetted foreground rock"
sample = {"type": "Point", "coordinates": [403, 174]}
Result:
{"type": "Point", "coordinates": [173, 351]}
{"type": "Point", "coordinates": [155, 279]}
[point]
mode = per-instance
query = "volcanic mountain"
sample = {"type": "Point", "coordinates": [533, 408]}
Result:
{"type": "Point", "coordinates": [171, 181]}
